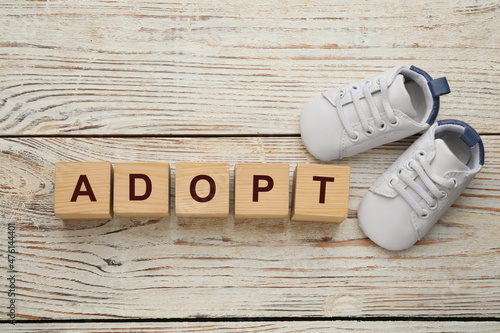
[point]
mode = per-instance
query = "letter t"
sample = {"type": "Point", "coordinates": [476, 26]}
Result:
{"type": "Point", "coordinates": [322, 188]}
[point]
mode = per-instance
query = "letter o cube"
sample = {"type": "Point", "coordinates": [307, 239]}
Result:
{"type": "Point", "coordinates": [201, 189]}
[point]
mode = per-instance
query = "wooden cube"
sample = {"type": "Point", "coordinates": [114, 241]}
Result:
{"type": "Point", "coordinates": [261, 190]}
{"type": "Point", "coordinates": [83, 191]}
{"type": "Point", "coordinates": [321, 193]}
{"type": "Point", "coordinates": [202, 189]}
{"type": "Point", "coordinates": [141, 189]}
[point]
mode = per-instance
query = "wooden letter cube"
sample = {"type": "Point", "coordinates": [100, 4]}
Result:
{"type": "Point", "coordinates": [202, 189]}
{"type": "Point", "coordinates": [261, 190]}
{"type": "Point", "coordinates": [321, 193]}
{"type": "Point", "coordinates": [83, 191]}
{"type": "Point", "coordinates": [141, 189]}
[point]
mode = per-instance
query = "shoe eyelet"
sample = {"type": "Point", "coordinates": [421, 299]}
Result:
{"type": "Point", "coordinates": [444, 195]}
{"type": "Point", "coordinates": [425, 214]}
{"type": "Point", "coordinates": [421, 153]}
{"type": "Point", "coordinates": [390, 182]}
{"type": "Point", "coordinates": [368, 83]}
{"type": "Point", "coordinates": [400, 171]}
{"type": "Point", "coordinates": [382, 126]}
{"type": "Point", "coordinates": [433, 207]}
{"type": "Point", "coordinates": [356, 137]}
{"type": "Point", "coordinates": [394, 124]}
{"type": "Point", "coordinates": [369, 132]}
{"type": "Point", "coordinates": [408, 164]}
{"type": "Point", "coordinates": [355, 87]}
{"type": "Point", "coordinates": [455, 182]}
{"type": "Point", "coordinates": [342, 93]}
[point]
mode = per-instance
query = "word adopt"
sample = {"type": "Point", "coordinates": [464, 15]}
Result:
{"type": "Point", "coordinates": [97, 190]}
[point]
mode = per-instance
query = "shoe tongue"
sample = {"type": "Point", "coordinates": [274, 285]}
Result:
{"type": "Point", "coordinates": [400, 98]}
{"type": "Point", "coordinates": [445, 160]}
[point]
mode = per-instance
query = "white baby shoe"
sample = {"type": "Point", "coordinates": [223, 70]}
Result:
{"type": "Point", "coordinates": [392, 105]}
{"type": "Point", "coordinates": [407, 200]}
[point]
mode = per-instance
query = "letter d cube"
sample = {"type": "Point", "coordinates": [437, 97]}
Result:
{"type": "Point", "coordinates": [321, 193]}
{"type": "Point", "coordinates": [141, 189]}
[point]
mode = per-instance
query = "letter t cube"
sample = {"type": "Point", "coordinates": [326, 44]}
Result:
{"type": "Point", "coordinates": [321, 193]}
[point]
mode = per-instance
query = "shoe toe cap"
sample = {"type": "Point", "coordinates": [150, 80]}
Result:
{"type": "Point", "coordinates": [320, 129]}
{"type": "Point", "coordinates": [386, 221]}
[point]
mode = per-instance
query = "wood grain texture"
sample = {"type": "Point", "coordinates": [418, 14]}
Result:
{"type": "Point", "coordinates": [226, 67]}
{"type": "Point", "coordinates": [297, 326]}
{"type": "Point", "coordinates": [225, 81]}
{"type": "Point", "coordinates": [187, 267]}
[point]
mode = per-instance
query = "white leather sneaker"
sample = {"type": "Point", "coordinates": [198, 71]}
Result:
{"type": "Point", "coordinates": [407, 200]}
{"type": "Point", "coordinates": [347, 120]}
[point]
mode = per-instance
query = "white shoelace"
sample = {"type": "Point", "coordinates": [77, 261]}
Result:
{"type": "Point", "coordinates": [429, 178]}
{"type": "Point", "coordinates": [356, 95]}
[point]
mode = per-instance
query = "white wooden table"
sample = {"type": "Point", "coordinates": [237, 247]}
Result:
{"type": "Point", "coordinates": [225, 81]}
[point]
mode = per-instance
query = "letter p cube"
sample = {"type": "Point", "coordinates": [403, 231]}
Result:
{"type": "Point", "coordinates": [261, 190]}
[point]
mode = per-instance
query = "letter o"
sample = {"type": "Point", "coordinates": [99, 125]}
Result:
{"type": "Point", "coordinates": [192, 188]}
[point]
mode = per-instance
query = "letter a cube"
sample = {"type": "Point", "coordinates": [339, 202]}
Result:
{"type": "Point", "coordinates": [83, 191]}
{"type": "Point", "coordinates": [201, 189]}
{"type": "Point", "coordinates": [141, 189]}
{"type": "Point", "coordinates": [261, 190]}
{"type": "Point", "coordinates": [321, 193]}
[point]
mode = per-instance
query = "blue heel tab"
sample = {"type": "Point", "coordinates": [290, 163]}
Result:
{"type": "Point", "coordinates": [469, 136]}
{"type": "Point", "coordinates": [437, 88]}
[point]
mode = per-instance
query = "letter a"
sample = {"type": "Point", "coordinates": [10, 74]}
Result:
{"type": "Point", "coordinates": [83, 180]}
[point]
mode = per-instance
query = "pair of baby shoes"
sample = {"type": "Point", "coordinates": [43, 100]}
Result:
{"type": "Point", "coordinates": [408, 199]}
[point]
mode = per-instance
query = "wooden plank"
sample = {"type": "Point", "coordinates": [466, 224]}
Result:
{"type": "Point", "coordinates": [187, 267]}
{"type": "Point", "coordinates": [198, 68]}
{"type": "Point", "coordinates": [296, 326]}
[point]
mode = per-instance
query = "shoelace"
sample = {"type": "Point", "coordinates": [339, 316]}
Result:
{"type": "Point", "coordinates": [429, 178]}
{"type": "Point", "coordinates": [355, 94]}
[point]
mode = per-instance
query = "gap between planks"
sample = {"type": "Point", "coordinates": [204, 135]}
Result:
{"type": "Point", "coordinates": [175, 136]}
{"type": "Point", "coordinates": [260, 319]}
